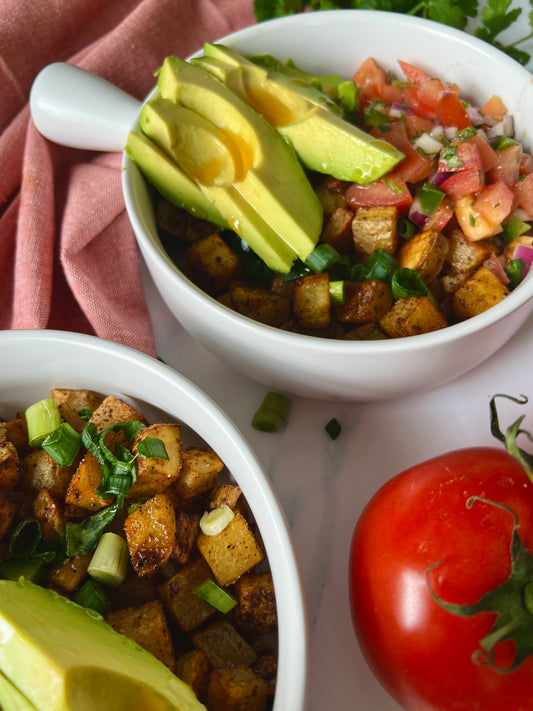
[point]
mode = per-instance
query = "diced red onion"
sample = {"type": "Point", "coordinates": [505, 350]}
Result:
{"type": "Point", "coordinates": [474, 114]}
{"type": "Point", "coordinates": [437, 178]}
{"type": "Point", "coordinates": [415, 213]}
{"type": "Point", "coordinates": [505, 127]}
{"type": "Point", "coordinates": [525, 252]}
{"type": "Point", "coordinates": [398, 110]}
{"type": "Point", "coordinates": [450, 132]}
{"type": "Point", "coordinates": [494, 265]}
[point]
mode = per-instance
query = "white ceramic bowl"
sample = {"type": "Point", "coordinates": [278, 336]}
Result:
{"type": "Point", "coordinates": [336, 42]}
{"type": "Point", "coordinates": [34, 361]}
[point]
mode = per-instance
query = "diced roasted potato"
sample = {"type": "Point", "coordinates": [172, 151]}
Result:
{"type": "Point", "coordinates": [451, 282]}
{"type": "Point", "coordinates": [256, 609]}
{"type": "Point", "coordinates": [364, 302]}
{"type": "Point", "coordinates": [266, 668]}
{"type": "Point", "coordinates": [199, 470]}
{"type": "Point", "coordinates": [194, 669]}
{"type": "Point", "coordinates": [236, 689]}
{"type": "Point", "coordinates": [187, 609]}
{"type": "Point", "coordinates": [366, 332]}
{"type": "Point", "coordinates": [47, 511]}
{"type": "Point", "coordinates": [17, 433]}
{"type": "Point", "coordinates": [9, 466]}
{"type": "Point", "coordinates": [412, 315]}
{"type": "Point", "coordinates": [147, 625]}
{"type": "Point", "coordinates": [77, 400]}
{"type": "Point", "coordinates": [375, 227]}
{"type": "Point", "coordinates": [225, 494]}
{"type": "Point", "coordinates": [40, 471]}
{"type": "Point", "coordinates": [481, 291]}
{"type": "Point", "coordinates": [232, 552]}
{"type": "Point", "coordinates": [68, 574]}
{"type": "Point", "coordinates": [187, 528]}
{"type": "Point", "coordinates": [311, 301]}
{"type": "Point", "coordinates": [153, 473]}
{"type": "Point", "coordinates": [261, 305]}
{"type": "Point", "coordinates": [113, 410]}
{"type": "Point", "coordinates": [463, 255]}
{"type": "Point", "coordinates": [337, 230]}
{"type": "Point", "coordinates": [332, 195]}
{"type": "Point", "coordinates": [215, 264]}
{"type": "Point", "coordinates": [9, 504]}
{"type": "Point", "coordinates": [81, 491]}
{"type": "Point", "coordinates": [425, 253]}
{"type": "Point", "coordinates": [151, 531]}
{"type": "Point", "coordinates": [179, 223]}
{"type": "Point", "coordinates": [223, 645]}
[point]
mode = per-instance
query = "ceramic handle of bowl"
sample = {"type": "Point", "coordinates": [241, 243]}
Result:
{"type": "Point", "coordinates": [73, 107]}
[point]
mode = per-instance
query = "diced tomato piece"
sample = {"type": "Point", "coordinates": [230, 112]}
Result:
{"type": "Point", "coordinates": [451, 112]}
{"type": "Point", "coordinates": [440, 218]}
{"type": "Point", "coordinates": [465, 182]}
{"type": "Point", "coordinates": [489, 158]}
{"type": "Point", "coordinates": [429, 93]}
{"type": "Point", "coordinates": [413, 74]}
{"type": "Point", "coordinates": [391, 94]}
{"type": "Point", "coordinates": [526, 164]}
{"type": "Point", "coordinates": [461, 155]}
{"type": "Point", "coordinates": [411, 98]}
{"type": "Point", "coordinates": [524, 194]}
{"type": "Point", "coordinates": [507, 169]}
{"type": "Point", "coordinates": [415, 166]}
{"type": "Point", "coordinates": [391, 190]}
{"type": "Point", "coordinates": [370, 73]}
{"type": "Point", "coordinates": [471, 222]}
{"type": "Point", "coordinates": [494, 107]}
{"type": "Point", "coordinates": [495, 202]}
{"type": "Point", "coordinates": [416, 125]}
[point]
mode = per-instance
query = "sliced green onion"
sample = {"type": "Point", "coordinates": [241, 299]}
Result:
{"type": "Point", "coordinates": [109, 563]}
{"type": "Point", "coordinates": [25, 539]}
{"type": "Point", "coordinates": [92, 596]}
{"type": "Point", "coordinates": [152, 447]}
{"type": "Point", "coordinates": [298, 269]}
{"type": "Point", "coordinates": [336, 292]}
{"type": "Point", "coordinates": [32, 570]}
{"type": "Point", "coordinates": [333, 428]}
{"type": "Point", "coordinates": [405, 228]}
{"type": "Point", "coordinates": [321, 258]}
{"type": "Point", "coordinates": [429, 197]}
{"type": "Point", "coordinates": [216, 520]}
{"type": "Point", "coordinates": [63, 444]}
{"type": "Point", "coordinates": [83, 537]}
{"type": "Point", "coordinates": [85, 414]}
{"type": "Point", "coordinates": [407, 282]}
{"type": "Point", "coordinates": [514, 272]}
{"type": "Point", "coordinates": [211, 593]}
{"type": "Point", "coordinates": [42, 418]}
{"type": "Point", "coordinates": [380, 266]}
{"type": "Point", "coordinates": [118, 485]}
{"type": "Point", "coordinates": [272, 413]}
{"type": "Point", "coordinates": [514, 228]}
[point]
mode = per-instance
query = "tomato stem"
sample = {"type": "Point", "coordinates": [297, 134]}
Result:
{"type": "Point", "coordinates": [512, 432]}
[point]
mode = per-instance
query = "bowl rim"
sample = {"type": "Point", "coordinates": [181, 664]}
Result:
{"type": "Point", "coordinates": [455, 332]}
{"type": "Point", "coordinates": [36, 344]}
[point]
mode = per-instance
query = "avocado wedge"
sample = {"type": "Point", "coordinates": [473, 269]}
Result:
{"type": "Point", "coordinates": [11, 699]}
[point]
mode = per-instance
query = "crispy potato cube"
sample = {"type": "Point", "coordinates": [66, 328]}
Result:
{"type": "Point", "coordinates": [451, 282]}
{"type": "Point", "coordinates": [364, 302]}
{"type": "Point", "coordinates": [225, 494]}
{"type": "Point", "coordinates": [463, 255]}
{"type": "Point", "coordinates": [375, 227]}
{"type": "Point", "coordinates": [232, 552]}
{"type": "Point", "coordinates": [77, 400]}
{"type": "Point", "coordinates": [187, 609]}
{"type": "Point", "coordinates": [147, 625]}
{"type": "Point", "coordinates": [266, 668]}
{"type": "Point", "coordinates": [311, 303]}
{"type": "Point", "coordinates": [193, 668]}
{"type": "Point", "coordinates": [425, 253]}
{"type": "Point", "coordinates": [9, 504]}
{"type": "Point", "coordinates": [150, 531]}
{"type": "Point", "coordinates": [187, 529]}
{"type": "Point", "coordinates": [9, 466]}
{"type": "Point", "coordinates": [153, 473]}
{"type": "Point", "coordinates": [199, 471]}
{"type": "Point", "coordinates": [179, 223]}
{"type": "Point", "coordinates": [481, 291]}
{"type": "Point", "coordinates": [68, 574]}
{"type": "Point", "coordinates": [236, 689]}
{"type": "Point", "coordinates": [113, 410]}
{"type": "Point", "coordinates": [261, 305]}
{"type": "Point", "coordinates": [337, 230]}
{"type": "Point", "coordinates": [47, 511]}
{"type": "Point", "coordinates": [17, 433]}
{"type": "Point", "coordinates": [40, 471]}
{"type": "Point", "coordinates": [331, 194]}
{"type": "Point", "coordinates": [411, 316]}
{"type": "Point", "coordinates": [223, 645]}
{"type": "Point", "coordinates": [256, 612]}
{"type": "Point", "coordinates": [81, 491]}
{"type": "Point", "coordinates": [215, 264]}
{"type": "Point", "coordinates": [366, 332]}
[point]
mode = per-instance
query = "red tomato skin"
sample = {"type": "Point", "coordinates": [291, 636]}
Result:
{"type": "Point", "coordinates": [421, 653]}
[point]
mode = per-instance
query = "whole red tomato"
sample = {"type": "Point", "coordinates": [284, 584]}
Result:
{"type": "Point", "coordinates": [441, 579]}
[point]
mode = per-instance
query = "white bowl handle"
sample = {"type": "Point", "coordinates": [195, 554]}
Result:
{"type": "Point", "coordinates": [75, 108]}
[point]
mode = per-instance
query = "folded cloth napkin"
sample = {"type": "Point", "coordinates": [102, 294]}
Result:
{"type": "Point", "coordinates": [68, 258]}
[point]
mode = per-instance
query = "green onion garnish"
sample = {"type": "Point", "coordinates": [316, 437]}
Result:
{"type": "Point", "coordinates": [405, 228]}
{"type": "Point", "coordinates": [152, 447]}
{"type": "Point", "coordinates": [407, 282]}
{"type": "Point", "coordinates": [32, 570]}
{"type": "Point", "coordinates": [83, 537]}
{"type": "Point", "coordinates": [322, 257]}
{"type": "Point", "coordinates": [109, 563]}
{"type": "Point", "coordinates": [514, 272]}
{"type": "Point", "coordinates": [63, 444]}
{"type": "Point", "coordinates": [215, 521]}
{"type": "Point", "coordinates": [85, 414]}
{"type": "Point", "coordinates": [42, 418]}
{"type": "Point", "coordinates": [92, 596]}
{"type": "Point", "coordinates": [380, 266]}
{"type": "Point", "coordinates": [333, 428]}
{"type": "Point", "coordinates": [272, 413]}
{"type": "Point", "coordinates": [336, 292]}
{"type": "Point", "coordinates": [429, 198]}
{"type": "Point", "coordinates": [25, 539]}
{"type": "Point", "coordinates": [210, 592]}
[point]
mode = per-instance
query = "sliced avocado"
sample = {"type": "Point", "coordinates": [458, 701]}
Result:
{"type": "Point", "coordinates": [274, 182]}
{"type": "Point", "coordinates": [186, 137]}
{"type": "Point", "coordinates": [62, 657]}
{"type": "Point", "coordinates": [11, 699]}
{"type": "Point", "coordinates": [323, 140]}
{"type": "Point", "coordinates": [169, 180]}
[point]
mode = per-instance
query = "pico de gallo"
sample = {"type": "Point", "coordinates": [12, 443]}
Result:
{"type": "Point", "coordinates": [444, 236]}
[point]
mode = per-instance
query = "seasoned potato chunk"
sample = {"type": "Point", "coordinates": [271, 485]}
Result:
{"type": "Point", "coordinates": [261, 305]}
{"type": "Point", "coordinates": [68, 574]}
{"type": "Point", "coordinates": [215, 264]}
{"type": "Point", "coordinates": [194, 669]}
{"type": "Point", "coordinates": [71, 402]}
{"type": "Point", "coordinates": [225, 494]}
{"type": "Point", "coordinates": [311, 301]}
{"type": "Point", "coordinates": [256, 610]}
{"type": "Point", "coordinates": [9, 466]}
{"type": "Point", "coordinates": [411, 316]}
{"type": "Point", "coordinates": [113, 410]}
{"type": "Point", "coordinates": [147, 625]}
{"type": "Point", "coordinates": [364, 302]}
{"type": "Point", "coordinates": [150, 531]}
{"type": "Point", "coordinates": [199, 470]}
{"type": "Point", "coordinates": [187, 609]}
{"type": "Point", "coordinates": [17, 433]}
{"type": "Point", "coordinates": [463, 255]}
{"type": "Point", "coordinates": [40, 471]}
{"type": "Point", "coordinates": [337, 230]}
{"type": "Point", "coordinates": [236, 689]}
{"type": "Point", "coordinates": [481, 291]}
{"type": "Point", "coordinates": [232, 552]}
{"type": "Point", "coordinates": [425, 253]}
{"type": "Point", "coordinates": [223, 645]}
{"type": "Point", "coordinates": [81, 491]}
{"type": "Point", "coordinates": [375, 227]}
{"type": "Point", "coordinates": [153, 473]}
{"type": "Point", "coordinates": [9, 504]}
{"type": "Point", "coordinates": [187, 528]}
{"type": "Point", "coordinates": [47, 511]}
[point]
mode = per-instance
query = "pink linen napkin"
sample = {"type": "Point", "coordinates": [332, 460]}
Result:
{"type": "Point", "coordinates": [68, 257]}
